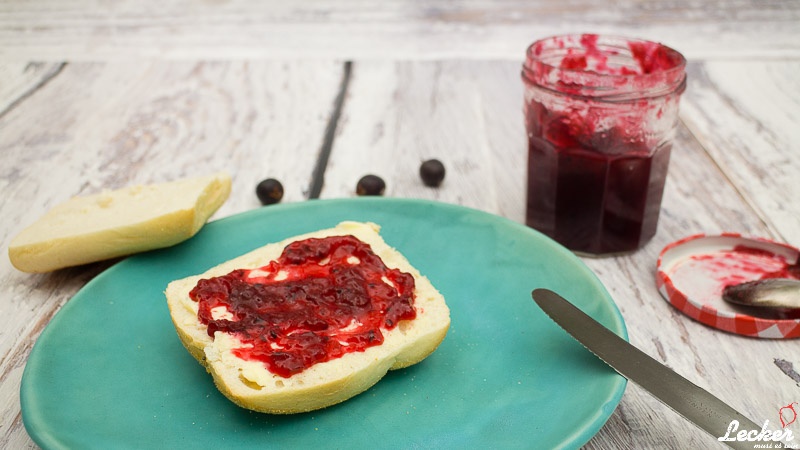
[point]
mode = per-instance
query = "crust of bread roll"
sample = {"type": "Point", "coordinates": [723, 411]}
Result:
{"type": "Point", "coordinates": [251, 385]}
{"type": "Point", "coordinates": [118, 223]}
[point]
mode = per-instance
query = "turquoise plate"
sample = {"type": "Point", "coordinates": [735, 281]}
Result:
{"type": "Point", "coordinates": [109, 371]}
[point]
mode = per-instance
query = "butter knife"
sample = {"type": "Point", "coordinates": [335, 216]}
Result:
{"type": "Point", "coordinates": [684, 397]}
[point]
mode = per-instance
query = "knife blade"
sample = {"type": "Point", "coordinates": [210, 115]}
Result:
{"type": "Point", "coordinates": [684, 397]}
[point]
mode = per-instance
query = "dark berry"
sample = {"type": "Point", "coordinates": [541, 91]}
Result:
{"type": "Point", "coordinates": [370, 185]}
{"type": "Point", "coordinates": [269, 191]}
{"type": "Point", "coordinates": [432, 172]}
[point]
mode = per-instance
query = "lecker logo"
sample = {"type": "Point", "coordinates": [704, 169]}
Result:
{"type": "Point", "coordinates": [788, 414]}
{"type": "Point", "coordinates": [766, 438]}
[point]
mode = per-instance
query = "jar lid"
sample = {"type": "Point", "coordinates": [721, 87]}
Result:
{"type": "Point", "coordinates": [692, 273]}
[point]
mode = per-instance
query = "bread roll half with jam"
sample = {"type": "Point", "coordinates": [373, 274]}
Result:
{"type": "Point", "coordinates": [310, 321]}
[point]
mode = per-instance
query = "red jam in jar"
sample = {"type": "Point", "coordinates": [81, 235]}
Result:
{"type": "Point", "coordinates": [322, 298]}
{"type": "Point", "coordinates": [600, 114]}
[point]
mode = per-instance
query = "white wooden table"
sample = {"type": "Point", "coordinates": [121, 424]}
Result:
{"type": "Point", "coordinates": [98, 95]}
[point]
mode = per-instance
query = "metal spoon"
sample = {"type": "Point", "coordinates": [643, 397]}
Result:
{"type": "Point", "coordinates": [772, 298]}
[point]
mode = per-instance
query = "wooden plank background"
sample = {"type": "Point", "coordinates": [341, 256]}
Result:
{"type": "Point", "coordinates": [403, 29]}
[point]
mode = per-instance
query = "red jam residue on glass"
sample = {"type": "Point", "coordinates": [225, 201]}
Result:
{"type": "Point", "coordinates": [649, 57]}
{"type": "Point", "coordinates": [322, 298]}
{"type": "Point", "coordinates": [599, 124]}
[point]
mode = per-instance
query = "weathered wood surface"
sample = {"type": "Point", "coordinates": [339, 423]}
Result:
{"type": "Point", "coordinates": [746, 116]}
{"type": "Point", "coordinates": [251, 89]}
{"type": "Point", "coordinates": [184, 29]}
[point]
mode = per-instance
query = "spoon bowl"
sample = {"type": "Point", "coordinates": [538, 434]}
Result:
{"type": "Point", "coordinates": [770, 297]}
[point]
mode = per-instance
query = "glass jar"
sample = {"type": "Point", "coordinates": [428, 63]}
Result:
{"type": "Point", "coordinates": [600, 114]}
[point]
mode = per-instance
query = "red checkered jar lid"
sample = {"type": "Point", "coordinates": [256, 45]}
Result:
{"type": "Point", "coordinates": [693, 272]}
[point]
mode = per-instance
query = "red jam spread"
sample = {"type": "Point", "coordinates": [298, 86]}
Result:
{"type": "Point", "coordinates": [322, 298]}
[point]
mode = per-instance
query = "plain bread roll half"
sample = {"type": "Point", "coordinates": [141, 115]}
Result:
{"type": "Point", "coordinates": [250, 384]}
{"type": "Point", "coordinates": [118, 223]}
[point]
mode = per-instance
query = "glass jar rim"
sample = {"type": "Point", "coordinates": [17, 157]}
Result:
{"type": "Point", "coordinates": [604, 67]}
{"type": "Point", "coordinates": [531, 53]}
